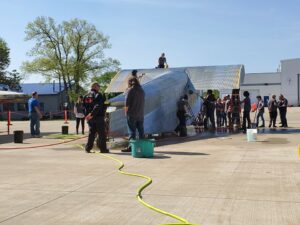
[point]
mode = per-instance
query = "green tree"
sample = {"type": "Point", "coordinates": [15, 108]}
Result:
{"type": "Point", "coordinates": [12, 79]}
{"type": "Point", "coordinates": [72, 51]}
{"type": "Point", "coordinates": [105, 79]}
{"type": "Point", "coordinates": [4, 57]}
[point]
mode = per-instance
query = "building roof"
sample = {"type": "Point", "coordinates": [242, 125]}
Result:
{"type": "Point", "coordinates": [262, 78]}
{"type": "Point", "coordinates": [202, 77]}
{"type": "Point", "coordinates": [294, 59]}
{"type": "Point", "coordinates": [41, 88]}
{"type": "Point", "coordinates": [11, 96]}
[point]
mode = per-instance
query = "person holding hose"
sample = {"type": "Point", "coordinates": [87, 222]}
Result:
{"type": "Point", "coordinates": [94, 105]}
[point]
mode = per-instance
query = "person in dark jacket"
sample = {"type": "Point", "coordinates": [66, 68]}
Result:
{"type": "Point", "coordinates": [282, 105]}
{"type": "Point", "coordinates": [219, 112]}
{"type": "Point", "coordinates": [134, 109]}
{"type": "Point", "coordinates": [272, 106]}
{"type": "Point", "coordinates": [94, 105]}
{"type": "Point", "coordinates": [246, 113]}
{"type": "Point", "coordinates": [162, 61]}
{"type": "Point", "coordinates": [209, 102]}
{"type": "Point", "coordinates": [181, 115]}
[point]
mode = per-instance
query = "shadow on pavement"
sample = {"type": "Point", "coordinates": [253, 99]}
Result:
{"type": "Point", "coordinates": [181, 153]}
{"type": "Point", "coordinates": [279, 131]}
{"type": "Point", "coordinates": [5, 139]}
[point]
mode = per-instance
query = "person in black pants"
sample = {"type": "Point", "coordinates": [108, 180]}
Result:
{"type": "Point", "coordinates": [246, 113]}
{"type": "Point", "coordinates": [282, 105]}
{"type": "Point", "coordinates": [272, 106]}
{"type": "Point", "coordinates": [209, 102]}
{"type": "Point", "coordinates": [95, 112]}
{"type": "Point", "coordinates": [162, 61]}
{"type": "Point", "coordinates": [181, 115]}
{"type": "Point", "coordinates": [79, 114]}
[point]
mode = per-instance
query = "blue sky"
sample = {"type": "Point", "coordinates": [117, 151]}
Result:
{"type": "Point", "coordinates": [255, 33]}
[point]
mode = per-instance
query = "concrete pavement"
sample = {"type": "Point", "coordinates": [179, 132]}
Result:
{"type": "Point", "coordinates": [215, 179]}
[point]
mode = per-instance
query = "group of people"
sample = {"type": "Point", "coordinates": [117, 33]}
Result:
{"type": "Point", "coordinates": [227, 112]}
{"type": "Point", "coordinates": [225, 109]}
{"type": "Point", "coordinates": [92, 108]}
{"type": "Point", "coordinates": [273, 106]}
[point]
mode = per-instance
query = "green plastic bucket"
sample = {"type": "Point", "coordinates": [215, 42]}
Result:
{"type": "Point", "coordinates": [142, 148]}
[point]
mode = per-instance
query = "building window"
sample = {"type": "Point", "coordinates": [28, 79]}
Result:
{"type": "Point", "coordinates": [42, 106]}
{"type": "Point", "coordinates": [8, 106]}
{"type": "Point", "coordinates": [22, 106]}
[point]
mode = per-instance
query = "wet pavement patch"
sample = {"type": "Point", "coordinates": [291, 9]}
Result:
{"type": "Point", "coordinates": [275, 141]}
{"type": "Point", "coordinates": [278, 131]}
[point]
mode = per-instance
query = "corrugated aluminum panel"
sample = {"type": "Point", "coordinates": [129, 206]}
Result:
{"type": "Point", "coordinates": [202, 77]}
{"type": "Point", "coordinates": [119, 82]}
{"type": "Point", "coordinates": [163, 89]}
{"type": "Point", "coordinates": [216, 77]}
{"type": "Point", "coordinates": [161, 96]}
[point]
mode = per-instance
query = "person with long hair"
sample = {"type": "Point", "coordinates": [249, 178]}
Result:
{"type": "Point", "coordinates": [134, 109]}
{"type": "Point", "coordinates": [79, 114]}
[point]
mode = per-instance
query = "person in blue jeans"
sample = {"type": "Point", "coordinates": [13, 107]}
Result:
{"type": "Point", "coordinates": [134, 109]}
{"type": "Point", "coordinates": [34, 115]}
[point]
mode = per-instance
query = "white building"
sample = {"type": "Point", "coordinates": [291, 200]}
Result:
{"type": "Point", "coordinates": [286, 82]}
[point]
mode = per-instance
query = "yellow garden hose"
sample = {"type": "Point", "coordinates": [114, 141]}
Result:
{"type": "Point", "coordinates": [139, 193]}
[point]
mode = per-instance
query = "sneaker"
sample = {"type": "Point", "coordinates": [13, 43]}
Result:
{"type": "Point", "coordinates": [274, 126]}
{"type": "Point", "coordinates": [262, 126]}
{"type": "Point", "coordinates": [270, 125]}
{"type": "Point", "coordinates": [87, 151]}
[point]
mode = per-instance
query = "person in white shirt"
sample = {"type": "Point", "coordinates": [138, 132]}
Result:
{"type": "Point", "coordinates": [79, 114]}
{"type": "Point", "coordinates": [260, 111]}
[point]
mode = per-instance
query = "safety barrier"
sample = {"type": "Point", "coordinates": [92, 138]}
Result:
{"type": "Point", "coordinates": [8, 116]}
